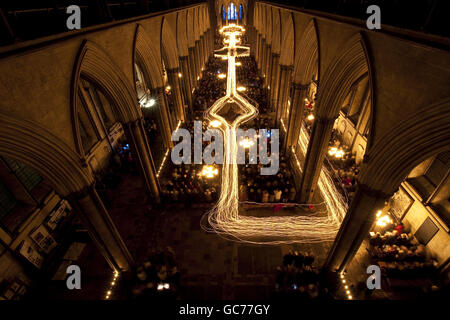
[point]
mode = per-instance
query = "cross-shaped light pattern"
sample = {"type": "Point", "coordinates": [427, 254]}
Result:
{"type": "Point", "coordinates": [224, 218]}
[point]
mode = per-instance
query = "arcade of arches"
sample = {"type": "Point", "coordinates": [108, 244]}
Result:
{"type": "Point", "coordinates": [86, 177]}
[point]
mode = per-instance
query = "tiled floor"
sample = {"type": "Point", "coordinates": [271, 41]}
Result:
{"type": "Point", "coordinates": [211, 267]}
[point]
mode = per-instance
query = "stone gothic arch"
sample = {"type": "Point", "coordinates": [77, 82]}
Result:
{"type": "Point", "coordinates": [288, 39]}
{"type": "Point", "coordinates": [33, 145]}
{"type": "Point", "coordinates": [307, 55]}
{"type": "Point", "coordinates": [147, 57]}
{"type": "Point", "coordinates": [94, 64]}
{"type": "Point", "coordinates": [347, 67]}
{"type": "Point", "coordinates": [169, 50]}
{"type": "Point", "coordinates": [418, 137]}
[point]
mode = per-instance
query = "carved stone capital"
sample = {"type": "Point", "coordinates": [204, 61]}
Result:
{"type": "Point", "coordinates": [299, 86]}
{"type": "Point", "coordinates": [286, 68]}
{"type": "Point", "coordinates": [175, 70]}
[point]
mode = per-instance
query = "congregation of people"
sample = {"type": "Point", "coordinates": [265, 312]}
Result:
{"type": "Point", "coordinates": [298, 278]}
{"type": "Point", "coordinates": [158, 276]}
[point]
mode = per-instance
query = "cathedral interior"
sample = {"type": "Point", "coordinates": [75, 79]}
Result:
{"type": "Point", "coordinates": [356, 121]}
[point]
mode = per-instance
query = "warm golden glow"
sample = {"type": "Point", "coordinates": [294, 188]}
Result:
{"type": "Point", "coordinates": [224, 218]}
{"type": "Point", "coordinates": [383, 220]}
{"type": "Point", "coordinates": [209, 171]}
{"type": "Point", "coordinates": [222, 76]}
{"type": "Point", "coordinates": [310, 117]}
{"type": "Point", "coordinates": [337, 153]}
{"type": "Point", "coordinates": [241, 89]}
{"type": "Point", "coordinates": [215, 123]}
{"type": "Point", "coordinates": [246, 143]}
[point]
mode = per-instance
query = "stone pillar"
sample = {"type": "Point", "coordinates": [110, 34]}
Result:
{"type": "Point", "coordinates": [262, 68]}
{"type": "Point", "coordinates": [283, 91]}
{"type": "Point", "coordinates": [174, 81]}
{"type": "Point", "coordinates": [164, 118]}
{"type": "Point", "coordinates": [192, 66]}
{"type": "Point", "coordinates": [202, 50]}
{"type": "Point", "coordinates": [144, 160]}
{"type": "Point", "coordinates": [211, 42]}
{"type": "Point", "coordinates": [198, 59]}
{"type": "Point", "coordinates": [101, 228]}
{"type": "Point", "coordinates": [355, 227]}
{"type": "Point", "coordinates": [315, 155]}
{"type": "Point", "coordinates": [259, 51]}
{"type": "Point", "coordinates": [296, 115]}
{"type": "Point", "coordinates": [274, 75]}
{"type": "Point", "coordinates": [251, 40]}
{"type": "Point", "coordinates": [185, 78]}
{"type": "Point", "coordinates": [268, 68]}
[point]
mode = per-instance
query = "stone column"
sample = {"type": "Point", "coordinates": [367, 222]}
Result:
{"type": "Point", "coordinates": [211, 44]}
{"type": "Point", "coordinates": [295, 115]}
{"type": "Point", "coordinates": [101, 228]}
{"type": "Point", "coordinates": [259, 52]}
{"type": "Point", "coordinates": [355, 227]}
{"type": "Point", "coordinates": [174, 81]}
{"type": "Point", "coordinates": [198, 59]}
{"type": "Point", "coordinates": [283, 91]}
{"type": "Point", "coordinates": [192, 66]}
{"type": "Point", "coordinates": [251, 40]}
{"type": "Point", "coordinates": [185, 71]}
{"type": "Point", "coordinates": [315, 155]}
{"type": "Point", "coordinates": [262, 68]}
{"type": "Point", "coordinates": [164, 118]}
{"type": "Point", "coordinates": [274, 74]}
{"type": "Point", "coordinates": [202, 50]}
{"type": "Point", "coordinates": [144, 160]}
{"type": "Point", "coordinates": [268, 67]}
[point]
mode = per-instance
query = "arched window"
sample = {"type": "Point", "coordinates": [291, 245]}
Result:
{"type": "Point", "coordinates": [224, 13]}
{"type": "Point", "coordinates": [232, 12]}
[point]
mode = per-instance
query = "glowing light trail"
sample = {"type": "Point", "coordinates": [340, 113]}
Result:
{"type": "Point", "coordinates": [224, 218]}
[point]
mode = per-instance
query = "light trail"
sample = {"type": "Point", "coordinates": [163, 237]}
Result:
{"type": "Point", "coordinates": [224, 218]}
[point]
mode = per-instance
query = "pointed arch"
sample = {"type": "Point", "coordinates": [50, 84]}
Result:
{"type": "Point", "coordinates": [276, 30]}
{"type": "Point", "coordinates": [347, 67]}
{"type": "Point", "coordinates": [417, 138]}
{"type": "Point", "coordinates": [146, 57]}
{"type": "Point", "coordinates": [196, 28]}
{"type": "Point", "coordinates": [268, 14]}
{"type": "Point", "coordinates": [94, 64]}
{"type": "Point", "coordinates": [182, 42]}
{"type": "Point", "coordinates": [256, 20]}
{"type": "Point", "coordinates": [288, 39]}
{"type": "Point", "coordinates": [307, 55]}
{"type": "Point", "coordinates": [33, 145]}
{"type": "Point", "coordinates": [190, 28]}
{"type": "Point", "coordinates": [169, 50]}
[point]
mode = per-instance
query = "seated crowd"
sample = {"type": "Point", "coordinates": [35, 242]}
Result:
{"type": "Point", "coordinates": [399, 254]}
{"type": "Point", "coordinates": [210, 87]}
{"type": "Point", "coordinates": [298, 278]}
{"type": "Point", "coordinates": [345, 168]}
{"type": "Point", "coordinates": [255, 187]}
{"type": "Point", "coordinates": [186, 184]}
{"type": "Point", "coordinates": [158, 276]}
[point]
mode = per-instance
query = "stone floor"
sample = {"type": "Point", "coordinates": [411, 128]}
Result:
{"type": "Point", "coordinates": [211, 267]}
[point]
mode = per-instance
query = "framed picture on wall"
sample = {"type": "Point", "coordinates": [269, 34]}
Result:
{"type": "Point", "coordinates": [43, 239]}
{"type": "Point", "coordinates": [400, 203]}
